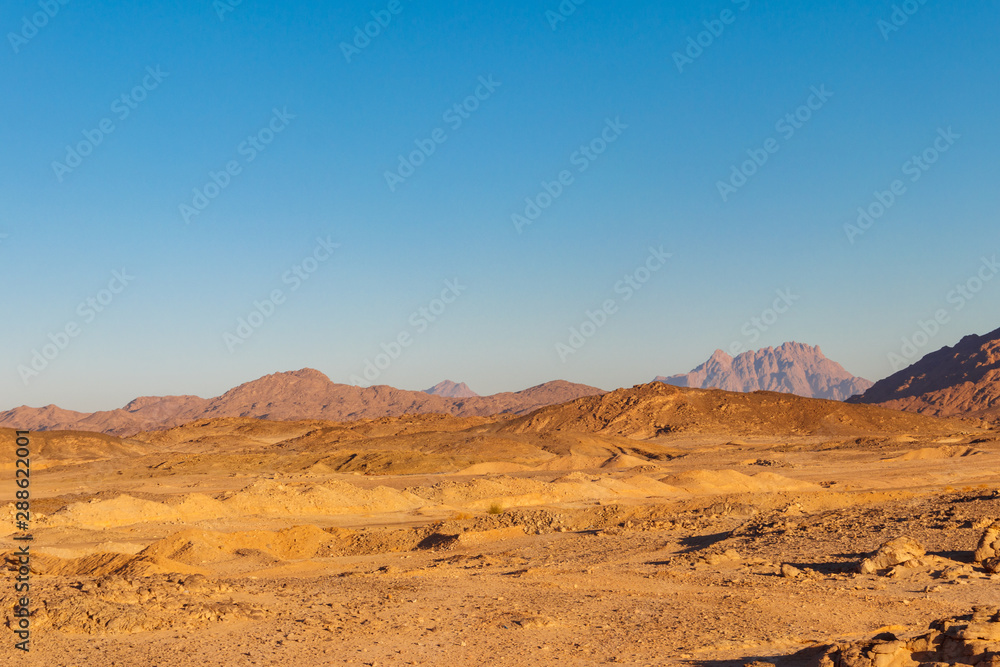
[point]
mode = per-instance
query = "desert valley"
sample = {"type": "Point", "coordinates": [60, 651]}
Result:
{"type": "Point", "coordinates": [293, 521]}
{"type": "Point", "coordinates": [511, 334]}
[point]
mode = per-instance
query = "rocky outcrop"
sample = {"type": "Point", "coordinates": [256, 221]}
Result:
{"type": "Point", "coordinates": [988, 551]}
{"type": "Point", "coordinates": [892, 553]}
{"type": "Point", "coordinates": [960, 381]}
{"type": "Point", "coordinates": [964, 640]}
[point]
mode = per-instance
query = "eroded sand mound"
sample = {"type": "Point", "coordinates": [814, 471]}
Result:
{"type": "Point", "coordinates": [270, 498]}
{"type": "Point", "coordinates": [126, 510]}
{"type": "Point", "coordinates": [92, 565]}
{"type": "Point", "coordinates": [936, 453]}
{"type": "Point", "coordinates": [263, 498]}
{"type": "Point", "coordinates": [194, 552]}
{"type": "Point", "coordinates": [730, 481]}
{"type": "Point", "coordinates": [494, 469]}
{"type": "Point", "coordinates": [200, 546]}
{"type": "Point", "coordinates": [503, 491]}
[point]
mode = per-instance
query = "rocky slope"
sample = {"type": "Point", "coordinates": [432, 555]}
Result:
{"type": "Point", "coordinates": [954, 381]}
{"type": "Point", "coordinates": [659, 409]}
{"type": "Point", "coordinates": [792, 368]}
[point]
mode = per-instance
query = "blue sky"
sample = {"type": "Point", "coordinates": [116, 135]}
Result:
{"type": "Point", "coordinates": [206, 89]}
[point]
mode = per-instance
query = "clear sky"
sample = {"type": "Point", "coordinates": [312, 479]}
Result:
{"type": "Point", "coordinates": [202, 150]}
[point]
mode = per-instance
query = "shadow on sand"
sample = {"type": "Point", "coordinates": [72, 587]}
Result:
{"type": "Point", "coordinates": [808, 657]}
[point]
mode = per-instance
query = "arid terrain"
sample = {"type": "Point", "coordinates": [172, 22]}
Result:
{"type": "Point", "coordinates": [646, 526]}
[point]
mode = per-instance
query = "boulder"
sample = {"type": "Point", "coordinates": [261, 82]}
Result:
{"type": "Point", "coordinates": [892, 553]}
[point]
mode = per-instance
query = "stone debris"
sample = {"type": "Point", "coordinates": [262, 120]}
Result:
{"type": "Point", "coordinates": [791, 572]}
{"type": "Point", "coordinates": [728, 556]}
{"type": "Point", "coordinates": [116, 605]}
{"type": "Point", "coordinates": [892, 553]}
{"type": "Point", "coordinates": [989, 544]}
{"type": "Point", "coordinates": [972, 640]}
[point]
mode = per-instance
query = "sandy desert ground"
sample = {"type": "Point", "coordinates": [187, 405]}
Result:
{"type": "Point", "coordinates": [439, 540]}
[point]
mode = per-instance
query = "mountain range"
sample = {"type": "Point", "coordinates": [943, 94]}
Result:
{"type": "Point", "coordinates": [959, 381]}
{"type": "Point", "coordinates": [792, 368]}
{"type": "Point", "coordinates": [304, 394]}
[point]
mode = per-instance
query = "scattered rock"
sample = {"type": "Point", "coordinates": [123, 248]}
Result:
{"type": "Point", "coordinates": [989, 543]}
{"type": "Point", "coordinates": [769, 463]}
{"type": "Point", "coordinates": [115, 605]}
{"type": "Point", "coordinates": [729, 555]}
{"type": "Point", "coordinates": [964, 640]}
{"type": "Point", "coordinates": [791, 572]}
{"type": "Point", "coordinates": [530, 622]}
{"type": "Point", "coordinates": [893, 552]}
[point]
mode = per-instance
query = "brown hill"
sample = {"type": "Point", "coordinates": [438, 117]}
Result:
{"type": "Point", "coordinates": [299, 395]}
{"type": "Point", "coordinates": [414, 444]}
{"type": "Point", "coordinates": [954, 381]}
{"type": "Point", "coordinates": [792, 368]}
{"type": "Point", "coordinates": [142, 414]}
{"type": "Point", "coordinates": [69, 447]}
{"type": "Point", "coordinates": [658, 409]}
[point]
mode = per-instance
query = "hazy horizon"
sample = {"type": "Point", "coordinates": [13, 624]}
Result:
{"type": "Point", "coordinates": [219, 392]}
{"type": "Point", "coordinates": [481, 182]}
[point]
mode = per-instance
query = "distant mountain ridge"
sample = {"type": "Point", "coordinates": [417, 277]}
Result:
{"type": "Point", "coordinates": [298, 395]}
{"type": "Point", "coordinates": [959, 381]}
{"type": "Point", "coordinates": [449, 389]}
{"type": "Point", "coordinates": [792, 368]}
